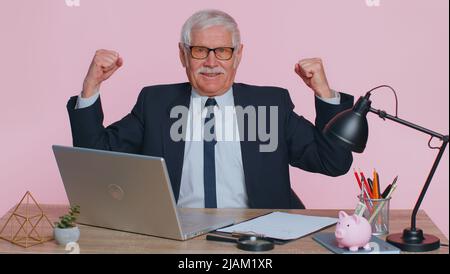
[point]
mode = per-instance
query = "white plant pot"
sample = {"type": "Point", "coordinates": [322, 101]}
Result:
{"type": "Point", "coordinates": [64, 236]}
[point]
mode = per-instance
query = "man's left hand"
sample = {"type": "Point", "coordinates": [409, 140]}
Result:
{"type": "Point", "coordinates": [313, 74]}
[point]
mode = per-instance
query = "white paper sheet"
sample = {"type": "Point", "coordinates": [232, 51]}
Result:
{"type": "Point", "coordinates": [282, 226]}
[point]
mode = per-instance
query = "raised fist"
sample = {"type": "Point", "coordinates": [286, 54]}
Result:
{"type": "Point", "coordinates": [103, 65]}
{"type": "Point", "coordinates": [313, 74]}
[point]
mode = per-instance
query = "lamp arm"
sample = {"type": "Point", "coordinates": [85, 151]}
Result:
{"type": "Point", "coordinates": [445, 139]}
{"type": "Point", "coordinates": [427, 184]}
{"type": "Point", "coordinates": [382, 114]}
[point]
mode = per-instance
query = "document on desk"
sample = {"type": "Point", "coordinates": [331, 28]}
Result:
{"type": "Point", "coordinates": [282, 226]}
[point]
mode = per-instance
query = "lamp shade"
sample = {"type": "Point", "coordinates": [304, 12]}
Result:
{"type": "Point", "coordinates": [349, 128]}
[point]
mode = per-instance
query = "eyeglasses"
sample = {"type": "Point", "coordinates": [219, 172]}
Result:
{"type": "Point", "coordinates": [221, 53]}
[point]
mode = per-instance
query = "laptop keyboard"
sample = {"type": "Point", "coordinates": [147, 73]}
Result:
{"type": "Point", "coordinates": [198, 221]}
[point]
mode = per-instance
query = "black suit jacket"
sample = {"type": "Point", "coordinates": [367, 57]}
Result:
{"type": "Point", "coordinates": [146, 131]}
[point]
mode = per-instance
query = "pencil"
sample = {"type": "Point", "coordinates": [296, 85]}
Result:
{"type": "Point", "coordinates": [375, 185]}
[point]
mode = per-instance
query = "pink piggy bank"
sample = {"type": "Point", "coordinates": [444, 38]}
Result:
{"type": "Point", "coordinates": [353, 232]}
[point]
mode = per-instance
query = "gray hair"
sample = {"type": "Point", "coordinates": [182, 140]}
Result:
{"type": "Point", "coordinates": [207, 18]}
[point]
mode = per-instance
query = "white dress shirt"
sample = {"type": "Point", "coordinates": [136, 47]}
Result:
{"type": "Point", "coordinates": [230, 183]}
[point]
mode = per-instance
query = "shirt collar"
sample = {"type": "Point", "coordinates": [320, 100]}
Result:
{"type": "Point", "coordinates": [225, 99]}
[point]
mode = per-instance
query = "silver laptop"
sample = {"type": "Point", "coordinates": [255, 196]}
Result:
{"type": "Point", "coordinates": [128, 192]}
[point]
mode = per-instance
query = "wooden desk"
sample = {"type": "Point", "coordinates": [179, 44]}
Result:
{"type": "Point", "coordinates": [98, 240]}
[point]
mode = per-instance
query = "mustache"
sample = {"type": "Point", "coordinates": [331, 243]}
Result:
{"type": "Point", "coordinates": [210, 70]}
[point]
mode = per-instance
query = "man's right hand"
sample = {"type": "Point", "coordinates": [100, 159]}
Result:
{"type": "Point", "coordinates": [103, 65]}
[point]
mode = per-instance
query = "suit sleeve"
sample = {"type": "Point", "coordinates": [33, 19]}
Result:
{"type": "Point", "coordinates": [308, 148]}
{"type": "Point", "coordinates": [88, 131]}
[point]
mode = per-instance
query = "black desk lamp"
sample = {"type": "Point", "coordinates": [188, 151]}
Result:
{"type": "Point", "coordinates": [349, 128]}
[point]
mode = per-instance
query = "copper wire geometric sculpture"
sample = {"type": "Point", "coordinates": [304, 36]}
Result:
{"type": "Point", "coordinates": [28, 225]}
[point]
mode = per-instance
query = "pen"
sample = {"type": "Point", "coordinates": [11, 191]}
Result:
{"type": "Point", "coordinates": [363, 192]}
{"type": "Point", "coordinates": [374, 186]}
{"type": "Point", "coordinates": [246, 233]}
{"type": "Point", "coordinates": [357, 178]}
{"type": "Point", "coordinates": [371, 186]}
{"type": "Point", "coordinates": [218, 238]}
{"type": "Point", "coordinates": [394, 186]}
{"type": "Point", "coordinates": [388, 188]}
{"type": "Point", "coordinates": [395, 180]}
{"type": "Point", "coordinates": [386, 191]}
{"type": "Point", "coordinates": [366, 185]}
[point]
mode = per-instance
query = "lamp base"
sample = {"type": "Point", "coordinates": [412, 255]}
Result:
{"type": "Point", "coordinates": [414, 241]}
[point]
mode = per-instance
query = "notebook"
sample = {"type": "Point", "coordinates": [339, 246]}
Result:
{"type": "Point", "coordinates": [328, 240]}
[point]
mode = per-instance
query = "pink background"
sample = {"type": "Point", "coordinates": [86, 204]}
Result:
{"type": "Point", "coordinates": [46, 48]}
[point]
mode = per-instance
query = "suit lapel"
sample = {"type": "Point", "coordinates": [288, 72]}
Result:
{"type": "Point", "coordinates": [249, 149]}
{"type": "Point", "coordinates": [174, 150]}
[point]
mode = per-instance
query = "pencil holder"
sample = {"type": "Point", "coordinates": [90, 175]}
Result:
{"type": "Point", "coordinates": [377, 213]}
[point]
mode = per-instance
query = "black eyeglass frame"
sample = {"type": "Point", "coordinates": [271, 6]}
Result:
{"type": "Point", "coordinates": [209, 50]}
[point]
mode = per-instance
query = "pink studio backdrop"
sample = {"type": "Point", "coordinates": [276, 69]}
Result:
{"type": "Point", "coordinates": [46, 47]}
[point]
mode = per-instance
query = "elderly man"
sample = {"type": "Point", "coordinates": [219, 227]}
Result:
{"type": "Point", "coordinates": [212, 172]}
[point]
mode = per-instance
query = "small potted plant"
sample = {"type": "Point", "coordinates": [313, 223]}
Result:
{"type": "Point", "coordinates": [65, 230]}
